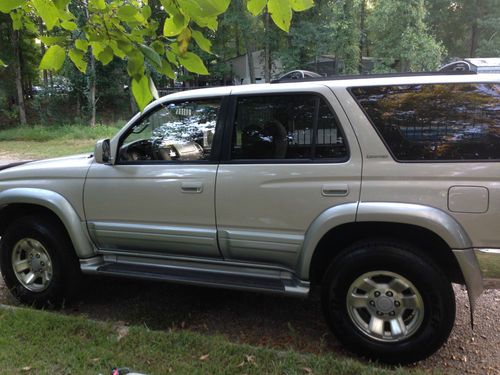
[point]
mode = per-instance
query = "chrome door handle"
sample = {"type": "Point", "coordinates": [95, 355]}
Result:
{"type": "Point", "coordinates": [335, 190]}
{"type": "Point", "coordinates": [192, 187]}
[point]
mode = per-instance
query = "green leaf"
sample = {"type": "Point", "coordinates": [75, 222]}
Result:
{"type": "Point", "coordinates": [125, 46]}
{"type": "Point", "coordinates": [171, 57]}
{"type": "Point", "coordinates": [151, 56]}
{"type": "Point", "coordinates": [82, 45]}
{"type": "Point", "coordinates": [127, 13]}
{"type": "Point", "coordinates": [174, 25]}
{"type": "Point", "coordinates": [281, 13]}
{"type": "Point", "coordinates": [256, 6]}
{"type": "Point", "coordinates": [47, 11]}
{"type": "Point", "coordinates": [203, 43]}
{"type": "Point", "coordinates": [146, 11]}
{"type": "Point", "coordinates": [135, 65]}
{"type": "Point", "coordinates": [301, 5]}
{"type": "Point", "coordinates": [167, 70]}
{"type": "Point", "coordinates": [116, 50]}
{"type": "Point", "coordinates": [76, 56]}
{"type": "Point", "coordinates": [68, 25]}
{"type": "Point", "coordinates": [98, 4]}
{"type": "Point", "coordinates": [141, 91]}
{"type": "Point", "coordinates": [53, 59]}
{"type": "Point", "coordinates": [193, 63]}
{"type": "Point", "coordinates": [51, 40]}
{"type": "Point", "coordinates": [2, 64]}
{"type": "Point", "coordinates": [17, 23]}
{"type": "Point", "coordinates": [7, 5]}
{"type": "Point", "coordinates": [105, 56]}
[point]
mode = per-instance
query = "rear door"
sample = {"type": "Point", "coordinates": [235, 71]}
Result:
{"type": "Point", "coordinates": [289, 155]}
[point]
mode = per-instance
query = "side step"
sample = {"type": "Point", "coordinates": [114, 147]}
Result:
{"type": "Point", "coordinates": [221, 276]}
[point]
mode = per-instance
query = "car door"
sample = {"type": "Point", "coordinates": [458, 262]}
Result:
{"type": "Point", "coordinates": [291, 154]}
{"type": "Point", "coordinates": [158, 198]}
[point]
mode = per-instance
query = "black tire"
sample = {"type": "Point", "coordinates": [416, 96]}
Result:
{"type": "Point", "coordinates": [66, 274]}
{"type": "Point", "coordinates": [391, 257]}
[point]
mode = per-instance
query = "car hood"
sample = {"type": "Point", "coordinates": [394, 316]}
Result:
{"type": "Point", "coordinates": [74, 166]}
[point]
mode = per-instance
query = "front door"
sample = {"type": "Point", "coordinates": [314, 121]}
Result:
{"type": "Point", "coordinates": [158, 198]}
{"type": "Point", "coordinates": [291, 156]}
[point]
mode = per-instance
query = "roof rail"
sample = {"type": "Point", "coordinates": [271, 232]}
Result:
{"type": "Point", "coordinates": [364, 76]}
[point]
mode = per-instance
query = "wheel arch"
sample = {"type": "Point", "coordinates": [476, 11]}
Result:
{"type": "Point", "coordinates": [17, 202]}
{"type": "Point", "coordinates": [434, 230]}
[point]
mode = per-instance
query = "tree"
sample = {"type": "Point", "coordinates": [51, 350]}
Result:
{"type": "Point", "coordinates": [400, 36]}
{"type": "Point", "coordinates": [126, 30]}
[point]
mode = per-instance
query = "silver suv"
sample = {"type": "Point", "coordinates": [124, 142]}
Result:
{"type": "Point", "coordinates": [383, 190]}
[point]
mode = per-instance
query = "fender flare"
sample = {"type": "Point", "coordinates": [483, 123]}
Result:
{"type": "Point", "coordinates": [431, 218]}
{"type": "Point", "coordinates": [56, 203]}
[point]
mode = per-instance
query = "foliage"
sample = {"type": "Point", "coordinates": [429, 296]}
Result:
{"type": "Point", "coordinates": [400, 36]}
{"type": "Point", "coordinates": [126, 30]}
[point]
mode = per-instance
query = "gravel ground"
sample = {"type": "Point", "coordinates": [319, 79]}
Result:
{"type": "Point", "coordinates": [274, 321]}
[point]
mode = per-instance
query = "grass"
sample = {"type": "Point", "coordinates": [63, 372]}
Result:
{"type": "Point", "coordinates": [38, 342]}
{"type": "Point", "coordinates": [51, 141]}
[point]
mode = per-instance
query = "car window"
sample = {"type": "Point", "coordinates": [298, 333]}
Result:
{"type": "Point", "coordinates": [180, 131]}
{"type": "Point", "coordinates": [295, 127]}
{"type": "Point", "coordinates": [459, 121]}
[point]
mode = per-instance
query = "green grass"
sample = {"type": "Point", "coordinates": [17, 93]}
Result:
{"type": "Point", "coordinates": [48, 343]}
{"type": "Point", "coordinates": [39, 142]}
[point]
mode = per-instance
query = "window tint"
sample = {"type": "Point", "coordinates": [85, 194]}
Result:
{"type": "Point", "coordinates": [286, 127]}
{"type": "Point", "coordinates": [176, 132]}
{"type": "Point", "coordinates": [436, 122]}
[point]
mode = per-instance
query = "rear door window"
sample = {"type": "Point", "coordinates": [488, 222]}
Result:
{"type": "Point", "coordinates": [447, 122]}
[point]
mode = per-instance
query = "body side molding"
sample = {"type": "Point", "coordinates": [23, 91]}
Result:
{"type": "Point", "coordinates": [60, 207]}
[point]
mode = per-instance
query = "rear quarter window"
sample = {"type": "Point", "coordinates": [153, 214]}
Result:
{"type": "Point", "coordinates": [446, 122]}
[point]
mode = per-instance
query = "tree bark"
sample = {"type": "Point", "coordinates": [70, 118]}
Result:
{"type": "Point", "coordinates": [42, 50]}
{"type": "Point", "coordinates": [18, 76]}
{"type": "Point", "coordinates": [92, 89]}
{"type": "Point", "coordinates": [267, 50]}
{"type": "Point", "coordinates": [474, 34]}
{"type": "Point", "coordinates": [91, 79]}
{"type": "Point", "coordinates": [362, 34]}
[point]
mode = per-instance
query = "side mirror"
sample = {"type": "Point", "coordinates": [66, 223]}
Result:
{"type": "Point", "coordinates": [102, 152]}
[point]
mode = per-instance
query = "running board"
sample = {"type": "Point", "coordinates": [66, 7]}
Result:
{"type": "Point", "coordinates": [219, 275]}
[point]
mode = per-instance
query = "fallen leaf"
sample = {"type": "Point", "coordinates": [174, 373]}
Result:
{"type": "Point", "coordinates": [241, 364]}
{"type": "Point", "coordinates": [26, 369]}
{"type": "Point", "coordinates": [204, 357]}
{"type": "Point", "coordinates": [307, 370]}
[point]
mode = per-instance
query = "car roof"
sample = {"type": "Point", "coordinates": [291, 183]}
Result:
{"type": "Point", "coordinates": [338, 81]}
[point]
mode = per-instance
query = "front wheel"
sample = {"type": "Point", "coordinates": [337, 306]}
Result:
{"type": "Point", "coordinates": [389, 302]}
{"type": "Point", "coordinates": [38, 262]}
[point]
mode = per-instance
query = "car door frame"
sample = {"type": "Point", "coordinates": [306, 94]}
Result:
{"type": "Point", "coordinates": [204, 238]}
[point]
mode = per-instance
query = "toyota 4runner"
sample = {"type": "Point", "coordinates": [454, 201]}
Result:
{"type": "Point", "coordinates": [383, 190]}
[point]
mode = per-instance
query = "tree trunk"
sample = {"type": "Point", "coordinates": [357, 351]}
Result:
{"type": "Point", "coordinates": [92, 89]}
{"type": "Point", "coordinates": [18, 76]}
{"type": "Point", "coordinates": [474, 34]}
{"type": "Point", "coordinates": [267, 50]}
{"type": "Point", "coordinates": [249, 49]}
{"type": "Point", "coordinates": [42, 50]}
{"type": "Point", "coordinates": [91, 79]}
{"type": "Point", "coordinates": [362, 34]}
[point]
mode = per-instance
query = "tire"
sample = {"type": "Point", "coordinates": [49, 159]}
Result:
{"type": "Point", "coordinates": [385, 300]}
{"type": "Point", "coordinates": [45, 256]}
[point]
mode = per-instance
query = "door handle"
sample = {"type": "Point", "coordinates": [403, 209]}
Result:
{"type": "Point", "coordinates": [335, 190]}
{"type": "Point", "coordinates": [192, 187]}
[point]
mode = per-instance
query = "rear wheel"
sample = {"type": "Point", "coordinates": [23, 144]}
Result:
{"type": "Point", "coordinates": [38, 262]}
{"type": "Point", "coordinates": [387, 301]}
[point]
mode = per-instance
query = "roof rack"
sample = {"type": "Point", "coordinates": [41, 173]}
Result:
{"type": "Point", "coordinates": [364, 76]}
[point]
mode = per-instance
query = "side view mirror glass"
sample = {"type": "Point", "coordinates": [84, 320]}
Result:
{"type": "Point", "coordinates": [102, 153]}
